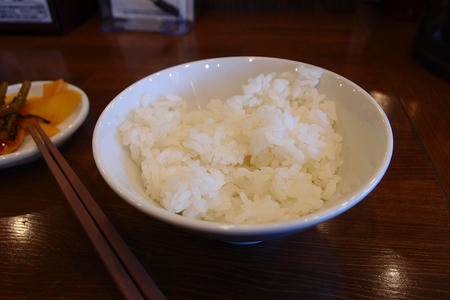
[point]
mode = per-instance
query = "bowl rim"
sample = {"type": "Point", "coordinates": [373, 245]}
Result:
{"type": "Point", "coordinates": [211, 227]}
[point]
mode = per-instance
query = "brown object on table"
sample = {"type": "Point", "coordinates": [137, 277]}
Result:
{"type": "Point", "coordinates": [393, 244]}
{"type": "Point", "coordinates": [118, 259]}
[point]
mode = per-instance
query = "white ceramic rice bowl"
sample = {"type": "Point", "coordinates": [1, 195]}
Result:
{"type": "Point", "coordinates": [366, 151]}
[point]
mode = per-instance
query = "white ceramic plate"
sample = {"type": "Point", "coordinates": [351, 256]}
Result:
{"type": "Point", "coordinates": [28, 150]}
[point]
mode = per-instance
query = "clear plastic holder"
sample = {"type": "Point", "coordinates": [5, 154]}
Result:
{"type": "Point", "coordinates": [166, 16]}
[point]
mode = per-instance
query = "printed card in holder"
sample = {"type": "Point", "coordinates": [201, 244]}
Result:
{"type": "Point", "coordinates": [166, 16]}
{"type": "Point", "coordinates": [43, 16]}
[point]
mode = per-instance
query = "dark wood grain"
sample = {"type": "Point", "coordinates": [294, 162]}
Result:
{"type": "Point", "coordinates": [424, 96]}
{"type": "Point", "coordinates": [393, 245]}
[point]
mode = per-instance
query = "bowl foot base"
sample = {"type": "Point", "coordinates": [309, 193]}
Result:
{"type": "Point", "coordinates": [244, 243]}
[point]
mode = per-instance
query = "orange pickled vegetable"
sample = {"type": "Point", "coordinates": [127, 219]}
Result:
{"type": "Point", "coordinates": [54, 87]}
{"type": "Point", "coordinates": [9, 98]}
{"type": "Point", "coordinates": [49, 129]}
{"type": "Point", "coordinates": [55, 108]}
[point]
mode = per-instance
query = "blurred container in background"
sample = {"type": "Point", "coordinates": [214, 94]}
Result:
{"type": "Point", "coordinates": [432, 44]}
{"type": "Point", "coordinates": [166, 16]}
{"type": "Point", "coordinates": [43, 16]}
{"type": "Point", "coordinates": [406, 10]}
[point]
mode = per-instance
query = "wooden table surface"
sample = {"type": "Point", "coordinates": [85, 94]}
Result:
{"type": "Point", "coordinates": [395, 244]}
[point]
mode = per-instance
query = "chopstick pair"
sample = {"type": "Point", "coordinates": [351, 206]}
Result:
{"type": "Point", "coordinates": [130, 276]}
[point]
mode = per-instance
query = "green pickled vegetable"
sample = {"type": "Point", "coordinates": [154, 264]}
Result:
{"type": "Point", "coordinates": [3, 89]}
{"type": "Point", "coordinates": [17, 102]}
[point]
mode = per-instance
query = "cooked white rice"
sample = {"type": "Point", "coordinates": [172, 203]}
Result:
{"type": "Point", "coordinates": [267, 155]}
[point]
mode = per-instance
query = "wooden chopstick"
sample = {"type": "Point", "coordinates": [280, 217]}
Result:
{"type": "Point", "coordinates": [130, 276]}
